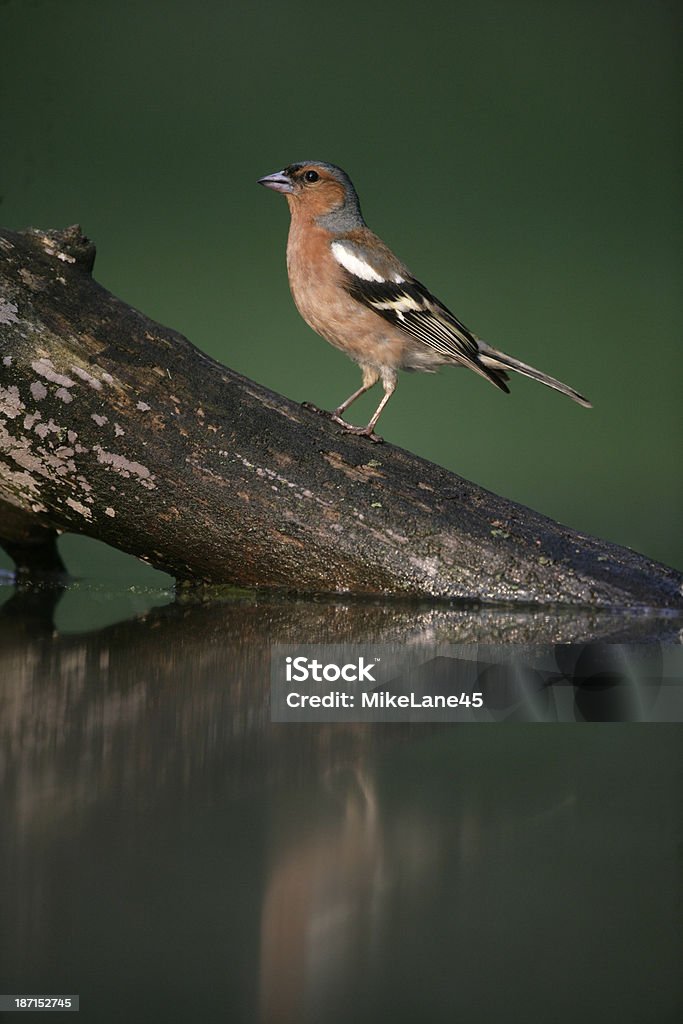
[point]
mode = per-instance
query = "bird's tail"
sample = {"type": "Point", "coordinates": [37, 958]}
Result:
{"type": "Point", "coordinates": [495, 360]}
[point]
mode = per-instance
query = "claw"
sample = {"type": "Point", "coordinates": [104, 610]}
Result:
{"type": "Point", "coordinates": [348, 427]}
{"type": "Point", "coordinates": [316, 410]}
{"type": "Point", "coordinates": [359, 431]}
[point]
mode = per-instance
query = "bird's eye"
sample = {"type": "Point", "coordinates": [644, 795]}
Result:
{"type": "Point", "coordinates": [311, 176]}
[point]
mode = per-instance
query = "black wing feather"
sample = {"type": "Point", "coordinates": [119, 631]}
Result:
{"type": "Point", "coordinates": [411, 307]}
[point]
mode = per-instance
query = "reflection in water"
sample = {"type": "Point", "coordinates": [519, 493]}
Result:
{"type": "Point", "coordinates": [484, 881]}
{"type": "Point", "coordinates": [171, 854]}
{"type": "Point", "coordinates": [323, 896]}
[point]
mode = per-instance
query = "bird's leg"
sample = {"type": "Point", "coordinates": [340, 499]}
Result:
{"type": "Point", "coordinates": [370, 377]}
{"type": "Point", "coordinates": [389, 384]}
{"type": "Point", "coordinates": [337, 414]}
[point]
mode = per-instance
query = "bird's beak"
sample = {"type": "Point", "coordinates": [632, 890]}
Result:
{"type": "Point", "coordinates": [279, 182]}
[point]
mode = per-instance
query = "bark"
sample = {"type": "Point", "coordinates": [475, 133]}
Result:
{"type": "Point", "coordinates": [114, 426]}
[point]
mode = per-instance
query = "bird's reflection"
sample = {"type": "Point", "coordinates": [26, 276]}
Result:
{"type": "Point", "coordinates": [323, 899]}
{"type": "Point", "coordinates": [352, 866]}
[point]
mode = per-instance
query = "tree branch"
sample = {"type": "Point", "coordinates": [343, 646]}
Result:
{"type": "Point", "coordinates": [114, 426]}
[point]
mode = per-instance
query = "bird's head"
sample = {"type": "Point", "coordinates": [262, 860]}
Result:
{"type": "Point", "coordinates": [320, 191]}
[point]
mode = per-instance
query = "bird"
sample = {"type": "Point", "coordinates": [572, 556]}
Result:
{"type": "Point", "coordinates": [355, 293]}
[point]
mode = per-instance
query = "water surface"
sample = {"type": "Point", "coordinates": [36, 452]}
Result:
{"type": "Point", "coordinates": [170, 854]}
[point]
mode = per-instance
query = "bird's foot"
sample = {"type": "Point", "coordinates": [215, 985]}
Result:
{"type": "Point", "coordinates": [360, 431]}
{"type": "Point", "coordinates": [317, 411]}
{"type": "Point", "coordinates": [348, 427]}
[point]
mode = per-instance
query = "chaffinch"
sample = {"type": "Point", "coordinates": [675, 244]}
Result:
{"type": "Point", "coordinates": [353, 291]}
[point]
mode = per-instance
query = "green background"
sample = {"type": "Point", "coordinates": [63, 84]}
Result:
{"type": "Point", "coordinates": [522, 158]}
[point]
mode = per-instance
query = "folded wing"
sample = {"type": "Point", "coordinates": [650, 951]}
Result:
{"type": "Point", "coordinates": [392, 292]}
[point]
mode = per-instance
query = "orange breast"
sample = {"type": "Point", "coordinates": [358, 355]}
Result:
{"type": "Point", "coordinates": [317, 284]}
